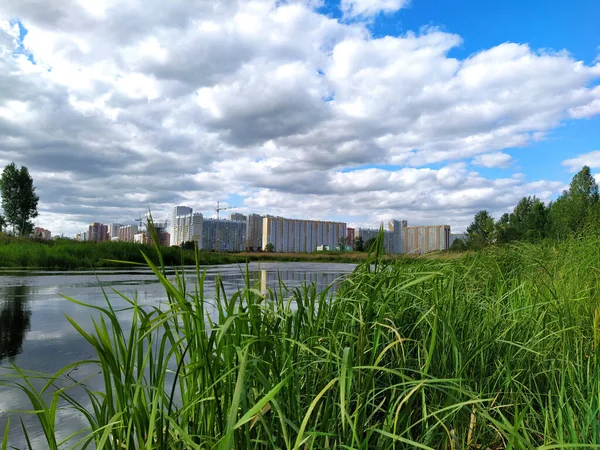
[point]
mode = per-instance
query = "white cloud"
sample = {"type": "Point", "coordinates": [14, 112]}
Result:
{"type": "Point", "coordinates": [175, 102]}
{"type": "Point", "coordinates": [366, 8]}
{"type": "Point", "coordinates": [591, 159]}
{"type": "Point", "coordinates": [490, 160]}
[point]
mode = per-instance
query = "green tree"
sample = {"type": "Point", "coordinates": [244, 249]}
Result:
{"type": "Point", "coordinates": [458, 245]}
{"type": "Point", "coordinates": [369, 244]}
{"type": "Point", "coordinates": [577, 208]}
{"type": "Point", "coordinates": [269, 248]}
{"type": "Point", "coordinates": [481, 231]}
{"type": "Point", "coordinates": [359, 244]}
{"type": "Point", "coordinates": [188, 245]}
{"type": "Point", "coordinates": [528, 221]}
{"type": "Point", "coordinates": [2, 223]}
{"type": "Point", "coordinates": [341, 244]}
{"type": "Point", "coordinates": [19, 200]}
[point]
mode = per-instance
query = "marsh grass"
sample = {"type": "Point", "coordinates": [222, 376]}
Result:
{"type": "Point", "coordinates": [499, 350]}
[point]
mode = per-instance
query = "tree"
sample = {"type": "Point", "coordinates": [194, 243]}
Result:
{"type": "Point", "coordinates": [577, 208]}
{"type": "Point", "coordinates": [2, 223]}
{"type": "Point", "coordinates": [359, 244]}
{"type": "Point", "coordinates": [369, 244]}
{"type": "Point", "coordinates": [269, 248]}
{"type": "Point", "coordinates": [342, 244]}
{"type": "Point", "coordinates": [528, 221]}
{"type": "Point", "coordinates": [481, 232]}
{"type": "Point", "coordinates": [19, 200]}
{"type": "Point", "coordinates": [458, 245]}
{"type": "Point", "coordinates": [189, 245]}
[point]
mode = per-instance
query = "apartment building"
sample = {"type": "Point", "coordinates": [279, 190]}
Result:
{"type": "Point", "coordinates": [237, 217]}
{"type": "Point", "coordinates": [175, 233]}
{"type": "Point", "coordinates": [296, 236]}
{"type": "Point", "coordinates": [127, 233]}
{"type": "Point", "coordinates": [419, 240]}
{"type": "Point", "coordinates": [254, 232]}
{"type": "Point", "coordinates": [393, 239]}
{"type": "Point", "coordinates": [223, 235]}
{"type": "Point", "coordinates": [41, 233]}
{"type": "Point", "coordinates": [186, 228]}
{"type": "Point", "coordinates": [113, 230]}
{"type": "Point", "coordinates": [97, 232]}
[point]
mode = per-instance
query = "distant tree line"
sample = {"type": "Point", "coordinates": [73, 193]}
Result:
{"type": "Point", "coordinates": [575, 211]}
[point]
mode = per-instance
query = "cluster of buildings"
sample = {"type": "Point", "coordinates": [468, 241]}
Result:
{"type": "Point", "coordinates": [99, 232]}
{"type": "Point", "coordinates": [255, 232]}
{"type": "Point", "coordinates": [279, 234]}
{"type": "Point", "coordinates": [42, 233]}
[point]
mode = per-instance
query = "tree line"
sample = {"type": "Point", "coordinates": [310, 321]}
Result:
{"type": "Point", "coordinates": [19, 200]}
{"type": "Point", "coordinates": [575, 211]}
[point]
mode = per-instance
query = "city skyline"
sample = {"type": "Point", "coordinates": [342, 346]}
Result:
{"type": "Point", "coordinates": [358, 111]}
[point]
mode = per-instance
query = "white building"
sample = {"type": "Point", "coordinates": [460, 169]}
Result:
{"type": "Point", "coordinates": [297, 236]}
{"type": "Point", "coordinates": [178, 211]}
{"type": "Point", "coordinates": [127, 233]}
{"type": "Point", "coordinates": [393, 239]}
{"type": "Point", "coordinates": [186, 228]}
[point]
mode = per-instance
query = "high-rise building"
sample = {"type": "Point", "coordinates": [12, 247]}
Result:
{"type": "Point", "coordinates": [178, 211]}
{"type": "Point", "coordinates": [237, 217]}
{"type": "Point", "coordinates": [254, 232]}
{"type": "Point", "coordinates": [392, 237]}
{"type": "Point", "coordinates": [98, 232]}
{"type": "Point", "coordinates": [350, 236]}
{"type": "Point", "coordinates": [127, 232]}
{"type": "Point", "coordinates": [428, 238]}
{"type": "Point", "coordinates": [113, 230]}
{"type": "Point", "coordinates": [295, 236]}
{"type": "Point", "coordinates": [188, 228]}
{"type": "Point", "coordinates": [223, 235]}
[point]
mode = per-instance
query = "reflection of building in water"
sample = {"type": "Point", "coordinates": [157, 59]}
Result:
{"type": "Point", "coordinates": [14, 319]}
{"type": "Point", "coordinates": [293, 278]}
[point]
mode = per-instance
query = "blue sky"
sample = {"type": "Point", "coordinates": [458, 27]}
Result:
{"type": "Point", "coordinates": [358, 110]}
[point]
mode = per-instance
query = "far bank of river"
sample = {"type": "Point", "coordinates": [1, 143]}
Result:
{"type": "Point", "coordinates": [35, 334]}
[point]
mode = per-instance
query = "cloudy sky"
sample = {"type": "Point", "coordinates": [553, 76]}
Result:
{"type": "Point", "coordinates": [354, 110]}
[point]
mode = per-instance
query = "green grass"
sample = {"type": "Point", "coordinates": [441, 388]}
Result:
{"type": "Point", "coordinates": [68, 255]}
{"type": "Point", "coordinates": [497, 350]}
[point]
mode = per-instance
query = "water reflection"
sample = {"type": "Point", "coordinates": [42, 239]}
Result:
{"type": "Point", "coordinates": [291, 278]}
{"type": "Point", "coordinates": [15, 317]}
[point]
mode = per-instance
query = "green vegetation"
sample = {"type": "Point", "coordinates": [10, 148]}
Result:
{"type": "Point", "coordinates": [19, 200]}
{"type": "Point", "coordinates": [496, 349]}
{"type": "Point", "coordinates": [576, 211]}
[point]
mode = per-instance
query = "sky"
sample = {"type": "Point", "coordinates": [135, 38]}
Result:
{"type": "Point", "coordinates": [352, 110]}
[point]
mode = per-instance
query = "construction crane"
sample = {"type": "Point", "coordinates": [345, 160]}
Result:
{"type": "Point", "coordinates": [218, 209]}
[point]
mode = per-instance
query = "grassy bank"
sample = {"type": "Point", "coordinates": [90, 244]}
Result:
{"type": "Point", "coordinates": [67, 255]}
{"type": "Point", "coordinates": [498, 349]}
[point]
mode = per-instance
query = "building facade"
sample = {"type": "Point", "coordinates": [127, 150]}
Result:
{"type": "Point", "coordinates": [97, 232]}
{"type": "Point", "coordinates": [113, 230]}
{"type": "Point", "coordinates": [127, 232]}
{"type": "Point", "coordinates": [393, 239]}
{"type": "Point", "coordinates": [178, 211]}
{"type": "Point", "coordinates": [237, 217]}
{"type": "Point", "coordinates": [223, 235]}
{"type": "Point", "coordinates": [427, 238]}
{"type": "Point", "coordinates": [186, 228]}
{"type": "Point", "coordinates": [254, 232]}
{"type": "Point", "coordinates": [297, 236]}
{"type": "Point", "coordinates": [41, 233]}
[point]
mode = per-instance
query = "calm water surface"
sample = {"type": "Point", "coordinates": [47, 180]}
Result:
{"type": "Point", "coordinates": [36, 336]}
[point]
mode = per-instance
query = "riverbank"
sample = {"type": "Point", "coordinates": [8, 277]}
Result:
{"type": "Point", "coordinates": [497, 349]}
{"type": "Point", "coordinates": [64, 254]}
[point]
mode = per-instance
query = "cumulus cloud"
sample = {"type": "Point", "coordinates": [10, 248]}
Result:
{"type": "Point", "coordinates": [491, 160]}
{"type": "Point", "coordinates": [366, 8]}
{"type": "Point", "coordinates": [591, 159]}
{"type": "Point", "coordinates": [115, 106]}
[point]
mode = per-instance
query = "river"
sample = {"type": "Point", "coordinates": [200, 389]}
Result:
{"type": "Point", "coordinates": [35, 334]}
